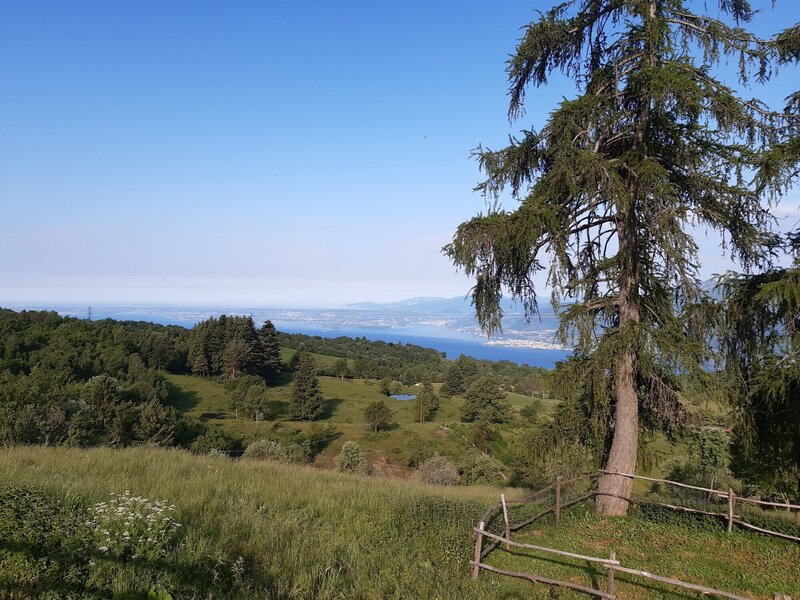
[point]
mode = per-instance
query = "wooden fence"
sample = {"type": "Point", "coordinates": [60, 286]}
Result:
{"type": "Point", "coordinates": [611, 564]}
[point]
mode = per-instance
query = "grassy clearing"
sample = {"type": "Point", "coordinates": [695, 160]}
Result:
{"type": "Point", "coordinates": [665, 543]}
{"type": "Point", "coordinates": [207, 399]}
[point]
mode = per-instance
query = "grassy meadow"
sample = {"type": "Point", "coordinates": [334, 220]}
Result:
{"type": "Point", "coordinates": [208, 400]}
{"type": "Point", "coordinates": [265, 530]}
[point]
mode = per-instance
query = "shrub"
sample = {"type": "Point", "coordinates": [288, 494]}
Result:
{"type": "Point", "coordinates": [278, 452]}
{"type": "Point", "coordinates": [267, 450]}
{"type": "Point", "coordinates": [483, 470]}
{"type": "Point", "coordinates": [532, 411]}
{"type": "Point", "coordinates": [215, 439]}
{"type": "Point", "coordinates": [352, 459]}
{"type": "Point", "coordinates": [130, 527]}
{"type": "Point", "coordinates": [438, 470]}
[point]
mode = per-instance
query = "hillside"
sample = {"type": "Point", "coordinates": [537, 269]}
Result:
{"type": "Point", "coordinates": [210, 401]}
{"type": "Point", "coordinates": [267, 530]}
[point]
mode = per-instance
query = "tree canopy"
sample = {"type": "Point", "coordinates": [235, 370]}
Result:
{"type": "Point", "coordinates": [654, 142]}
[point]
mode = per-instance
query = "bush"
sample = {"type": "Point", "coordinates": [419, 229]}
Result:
{"type": "Point", "coordinates": [483, 470]}
{"type": "Point", "coordinates": [438, 470]}
{"type": "Point", "coordinates": [352, 459]}
{"type": "Point", "coordinates": [278, 452]}
{"type": "Point", "coordinates": [131, 527]}
{"type": "Point", "coordinates": [267, 450]}
{"type": "Point", "coordinates": [532, 411]}
{"type": "Point", "coordinates": [215, 439]}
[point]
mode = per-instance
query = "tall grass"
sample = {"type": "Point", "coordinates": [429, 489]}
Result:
{"type": "Point", "coordinates": [274, 531]}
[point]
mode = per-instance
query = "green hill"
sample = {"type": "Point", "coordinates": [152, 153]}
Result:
{"type": "Point", "coordinates": [209, 400]}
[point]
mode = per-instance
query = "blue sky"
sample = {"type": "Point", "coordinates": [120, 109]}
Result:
{"type": "Point", "coordinates": [264, 153]}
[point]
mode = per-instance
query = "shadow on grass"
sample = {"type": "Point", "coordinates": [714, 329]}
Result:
{"type": "Point", "coordinates": [181, 400]}
{"type": "Point", "coordinates": [214, 415]}
{"type": "Point", "coordinates": [278, 409]}
{"type": "Point", "coordinates": [285, 378]}
{"type": "Point", "coordinates": [209, 578]}
{"type": "Point", "coordinates": [329, 407]}
{"type": "Point", "coordinates": [597, 576]}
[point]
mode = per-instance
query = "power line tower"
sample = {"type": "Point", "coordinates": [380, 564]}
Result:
{"type": "Point", "coordinates": [89, 314]}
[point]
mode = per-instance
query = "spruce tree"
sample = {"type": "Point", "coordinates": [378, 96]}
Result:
{"type": "Point", "coordinates": [307, 403]}
{"type": "Point", "coordinates": [270, 351]}
{"type": "Point", "coordinates": [760, 338]}
{"type": "Point", "coordinates": [485, 401]}
{"type": "Point", "coordinates": [653, 143]}
{"type": "Point", "coordinates": [453, 381]}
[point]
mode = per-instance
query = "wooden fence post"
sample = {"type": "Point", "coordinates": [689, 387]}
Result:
{"type": "Point", "coordinates": [610, 583]}
{"type": "Point", "coordinates": [476, 570]}
{"type": "Point", "coordinates": [558, 498]}
{"type": "Point", "coordinates": [731, 501]}
{"type": "Point", "coordinates": [507, 532]}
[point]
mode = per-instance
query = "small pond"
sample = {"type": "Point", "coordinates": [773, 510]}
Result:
{"type": "Point", "coordinates": [403, 396]}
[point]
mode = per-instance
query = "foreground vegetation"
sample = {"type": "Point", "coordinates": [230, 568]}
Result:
{"type": "Point", "coordinates": [249, 529]}
{"type": "Point", "coordinates": [660, 542]}
{"type": "Point", "coordinates": [256, 529]}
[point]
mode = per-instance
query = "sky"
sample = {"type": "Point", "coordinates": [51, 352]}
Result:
{"type": "Point", "coordinates": [257, 153]}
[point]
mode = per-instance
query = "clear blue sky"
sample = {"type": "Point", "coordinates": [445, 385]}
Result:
{"type": "Point", "coordinates": [281, 153]}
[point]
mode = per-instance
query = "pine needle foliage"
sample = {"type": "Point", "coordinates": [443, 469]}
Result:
{"type": "Point", "coordinates": [307, 403]}
{"type": "Point", "coordinates": [654, 142]}
{"type": "Point", "coordinates": [760, 338]}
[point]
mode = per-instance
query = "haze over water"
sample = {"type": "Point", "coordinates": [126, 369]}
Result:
{"type": "Point", "coordinates": [446, 325]}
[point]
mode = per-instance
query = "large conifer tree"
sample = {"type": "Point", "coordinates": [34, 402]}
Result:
{"type": "Point", "coordinates": [270, 351]}
{"type": "Point", "coordinates": [307, 403]}
{"type": "Point", "coordinates": [653, 142]}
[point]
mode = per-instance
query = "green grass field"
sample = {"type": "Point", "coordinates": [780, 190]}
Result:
{"type": "Point", "coordinates": [208, 400]}
{"type": "Point", "coordinates": [294, 532]}
{"type": "Point", "coordinates": [264, 530]}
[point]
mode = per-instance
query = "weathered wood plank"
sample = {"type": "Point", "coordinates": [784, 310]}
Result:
{"type": "Point", "coordinates": [677, 582]}
{"type": "Point", "coordinates": [545, 580]}
{"type": "Point", "coordinates": [604, 561]}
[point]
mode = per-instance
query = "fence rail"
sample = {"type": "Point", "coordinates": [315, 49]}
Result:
{"type": "Point", "coordinates": [611, 564]}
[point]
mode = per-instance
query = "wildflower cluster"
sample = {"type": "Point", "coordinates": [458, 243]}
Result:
{"type": "Point", "coordinates": [131, 527]}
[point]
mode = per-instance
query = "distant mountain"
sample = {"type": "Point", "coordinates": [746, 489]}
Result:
{"type": "Point", "coordinates": [428, 305]}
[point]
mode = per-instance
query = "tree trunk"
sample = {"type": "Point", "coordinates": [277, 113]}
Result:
{"type": "Point", "coordinates": [614, 490]}
{"type": "Point", "coordinates": [624, 446]}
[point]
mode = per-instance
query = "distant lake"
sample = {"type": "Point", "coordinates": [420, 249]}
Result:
{"type": "Point", "coordinates": [452, 347]}
{"type": "Point", "coordinates": [377, 326]}
{"type": "Point", "coordinates": [403, 396]}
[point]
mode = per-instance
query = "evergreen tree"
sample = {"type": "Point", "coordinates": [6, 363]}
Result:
{"type": "Point", "coordinates": [156, 424]}
{"type": "Point", "coordinates": [352, 459]}
{"type": "Point", "coordinates": [236, 357]}
{"type": "Point", "coordinates": [653, 143]}
{"type": "Point", "coordinates": [270, 351]}
{"type": "Point", "coordinates": [307, 403]}
{"type": "Point", "coordinates": [453, 381]}
{"type": "Point", "coordinates": [760, 336]}
{"type": "Point", "coordinates": [485, 401]}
